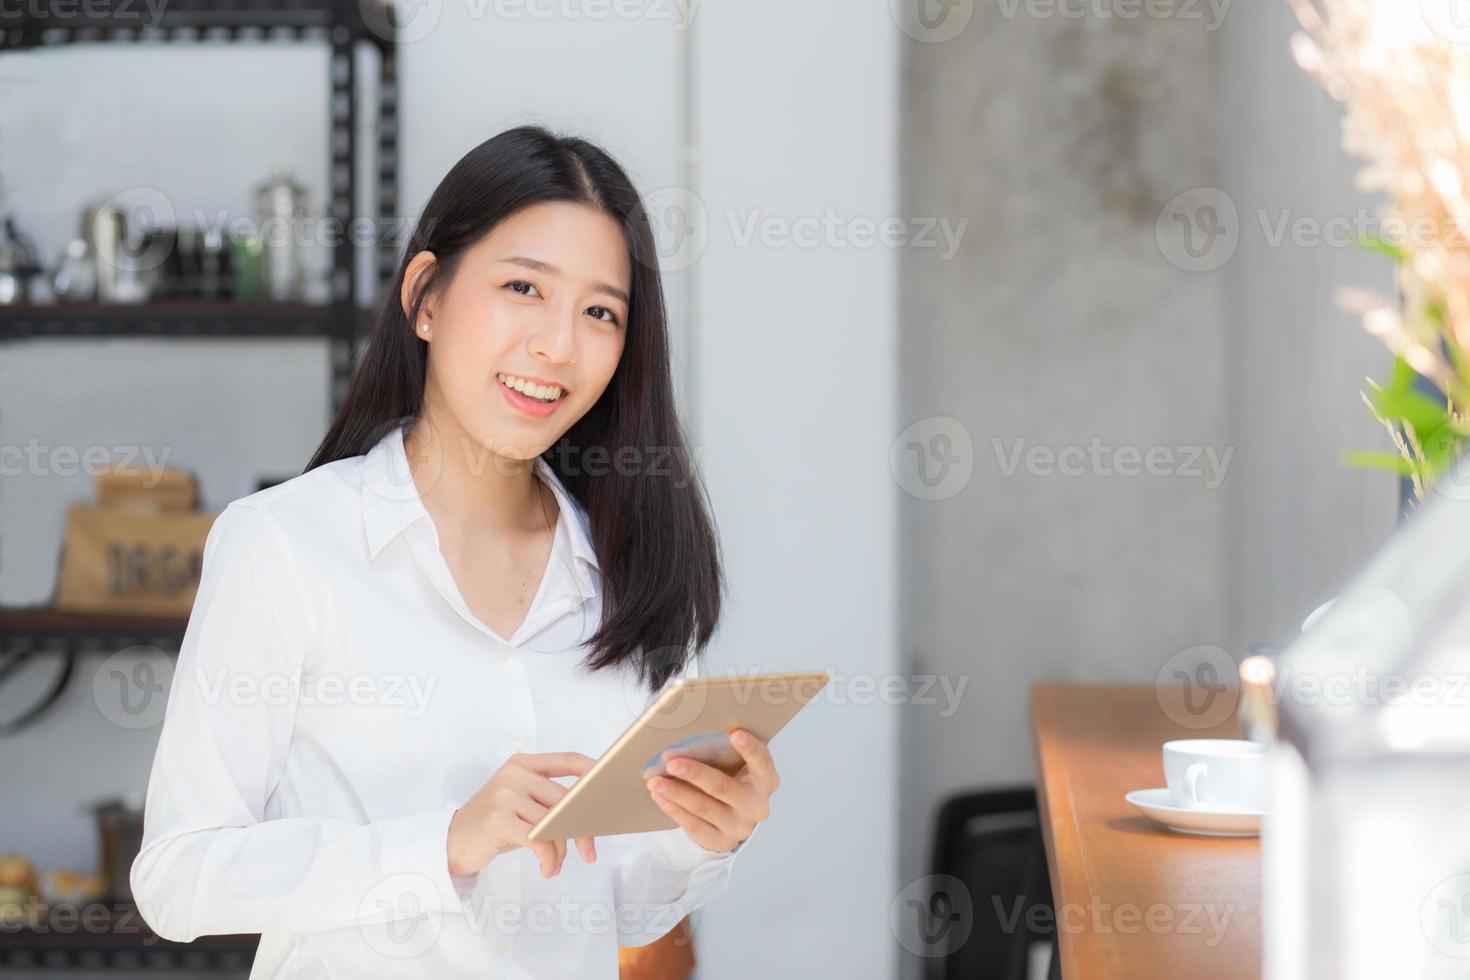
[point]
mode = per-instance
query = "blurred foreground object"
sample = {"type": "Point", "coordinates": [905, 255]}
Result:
{"type": "Point", "coordinates": [1257, 712]}
{"type": "Point", "coordinates": [670, 957]}
{"type": "Point", "coordinates": [1365, 849]}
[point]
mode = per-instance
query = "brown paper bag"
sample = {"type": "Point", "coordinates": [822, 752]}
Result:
{"type": "Point", "coordinates": [150, 491]}
{"type": "Point", "coordinates": [122, 561]}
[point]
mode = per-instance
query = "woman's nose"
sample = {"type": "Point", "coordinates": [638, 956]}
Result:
{"type": "Point", "coordinates": [555, 337]}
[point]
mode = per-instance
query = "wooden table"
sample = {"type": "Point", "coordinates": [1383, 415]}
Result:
{"type": "Point", "coordinates": [1134, 900]}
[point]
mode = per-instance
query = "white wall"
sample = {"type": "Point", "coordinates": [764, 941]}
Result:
{"type": "Point", "coordinates": [796, 388]}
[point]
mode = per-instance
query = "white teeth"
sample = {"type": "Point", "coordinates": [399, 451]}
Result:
{"type": "Point", "coordinates": [545, 393]}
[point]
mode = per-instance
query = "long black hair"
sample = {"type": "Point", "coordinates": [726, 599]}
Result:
{"type": "Point", "coordinates": [656, 545]}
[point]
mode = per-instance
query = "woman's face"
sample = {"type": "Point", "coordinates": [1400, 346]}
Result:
{"type": "Point", "coordinates": [527, 334]}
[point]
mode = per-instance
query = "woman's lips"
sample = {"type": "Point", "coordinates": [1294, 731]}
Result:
{"type": "Point", "coordinates": [534, 407]}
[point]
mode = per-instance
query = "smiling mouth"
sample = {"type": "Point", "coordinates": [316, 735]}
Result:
{"type": "Point", "coordinates": [546, 394]}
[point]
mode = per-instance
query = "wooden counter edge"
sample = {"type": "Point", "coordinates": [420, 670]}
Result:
{"type": "Point", "coordinates": [1054, 804]}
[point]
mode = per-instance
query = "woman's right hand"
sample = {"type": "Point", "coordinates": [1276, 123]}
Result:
{"type": "Point", "coordinates": [500, 815]}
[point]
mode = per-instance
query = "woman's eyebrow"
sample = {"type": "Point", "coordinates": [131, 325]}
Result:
{"type": "Point", "coordinates": [550, 269]}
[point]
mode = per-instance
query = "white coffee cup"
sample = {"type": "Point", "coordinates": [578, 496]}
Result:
{"type": "Point", "coordinates": [1216, 773]}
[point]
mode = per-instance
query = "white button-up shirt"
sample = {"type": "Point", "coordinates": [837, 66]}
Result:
{"type": "Point", "coordinates": [335, 700]}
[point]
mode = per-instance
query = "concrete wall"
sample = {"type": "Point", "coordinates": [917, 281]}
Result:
{"type": "Point", "coordinates": [1077, 317]}
{"type": "Point", "coordinates": [1060, 327]}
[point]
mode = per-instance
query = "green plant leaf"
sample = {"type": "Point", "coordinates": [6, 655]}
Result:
{"type": "Point", "coordinates": [1374, 460]}
{"type": "Point", "coordinates": [1425, 415]}
{"type": "Point", "coordinates": [1381, 245]}
{"type": "Point", "coordinates": [1402, 377]}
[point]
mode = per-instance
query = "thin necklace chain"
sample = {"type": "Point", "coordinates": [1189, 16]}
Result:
{"type": "Point", "coordinates": [546, 515]}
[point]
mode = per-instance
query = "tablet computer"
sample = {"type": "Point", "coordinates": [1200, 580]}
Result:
{"type": "Point", "coordinates": [692, 716]}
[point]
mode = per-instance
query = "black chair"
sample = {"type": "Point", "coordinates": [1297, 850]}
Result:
{"type": "Point", "coordinates": [991, 842]}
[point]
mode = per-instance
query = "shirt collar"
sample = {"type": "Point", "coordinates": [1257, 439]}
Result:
{"type": "Point", "coordinates": [391, 504]}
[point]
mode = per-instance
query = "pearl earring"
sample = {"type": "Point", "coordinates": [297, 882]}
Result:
{"type": "Point", "coordinates": [424, 328]}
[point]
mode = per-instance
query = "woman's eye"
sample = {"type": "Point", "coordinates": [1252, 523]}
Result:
{"type": "Point", "coordinates": [611, 317]}
{"type": "Point", "coordinates": [521, 282]}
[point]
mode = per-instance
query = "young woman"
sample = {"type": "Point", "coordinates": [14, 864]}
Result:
{"type": "Point", "coordinates": [496, 557]}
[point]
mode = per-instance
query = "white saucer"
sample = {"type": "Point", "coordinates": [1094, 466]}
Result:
{"type": "Point", "coordinates": [1159, 804]}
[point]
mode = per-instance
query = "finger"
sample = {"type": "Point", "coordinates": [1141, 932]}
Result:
{"type": "Point", "coordinates": [587, 848]}
{"type": "Point", "coordinates": [701, 831]}
{"type": "Point", "coordinates": [529, 810]}
{"type": "Point", "coordinates": [545, 851]}
{"type": "Point", "coordinates": [542, 789]}
{"type": "Point", "coordinates": [757, 756]}
{"type": "Point", "coordinates": [693, 799]}
{"type": "Point", "coordinates": [561, 856]}
{"type": "Point", "coordinates": [708, 778]}
{"type": "Point", "coordinates": [557, 763]}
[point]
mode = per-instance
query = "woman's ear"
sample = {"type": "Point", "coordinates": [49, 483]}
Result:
{"type": "Point", "coordinates": [413, 275]}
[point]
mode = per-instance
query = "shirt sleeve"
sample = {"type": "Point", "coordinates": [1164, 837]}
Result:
{"type": "Point", "coordinates": [211, 863]}
{"type": "Point", "coordinates": [666, 876]}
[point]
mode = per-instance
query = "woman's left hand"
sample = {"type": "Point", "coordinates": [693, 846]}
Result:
{"type": "Point", "coordinates": [718, 811]}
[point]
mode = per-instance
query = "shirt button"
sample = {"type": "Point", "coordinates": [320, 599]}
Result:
{"type": "Point", "coordinates": [576, 603]}
{"type": "Point", "coordinates": [517, 745]}
{"type": "Point", "coordinates": [502, 947]}
{"type": "Point", "coordinates": [503, 652]}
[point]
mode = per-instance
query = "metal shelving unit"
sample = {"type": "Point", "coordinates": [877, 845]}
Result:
{"type": "Point", "coordinates": [344, 26]}
{"type": "Point", "coordinates": [169, 318]}
{"type": "Point", "coordinates": [41, 628]}
{"type": "Point", "coordinates": [115, 937]}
